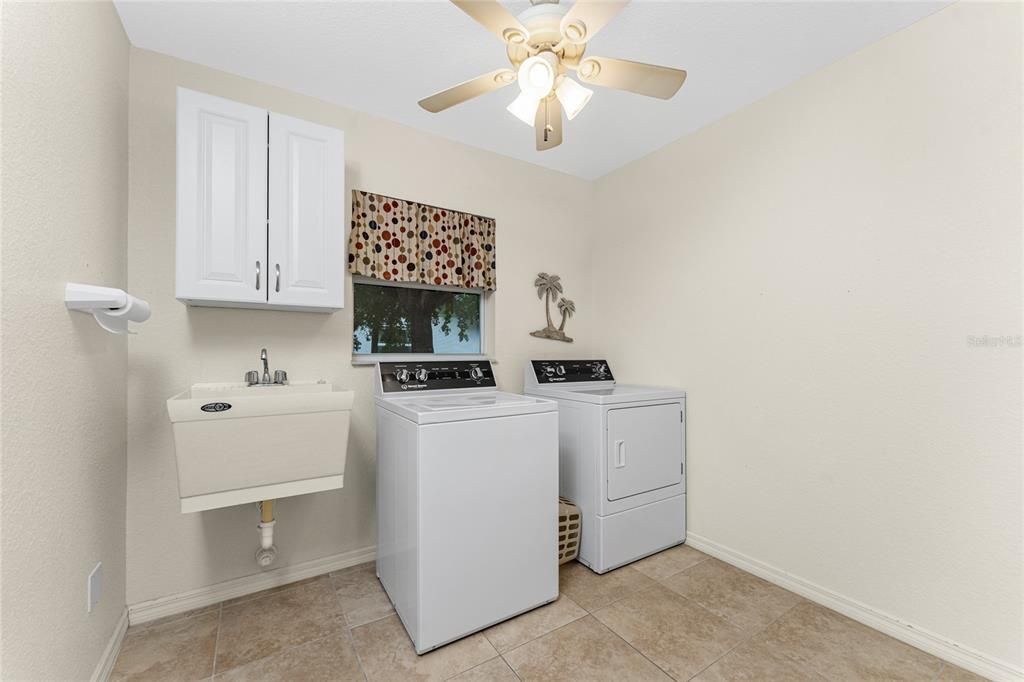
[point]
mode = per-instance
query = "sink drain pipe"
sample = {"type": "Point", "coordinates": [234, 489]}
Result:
{"type": "Point", "coordinates": [267, 552]}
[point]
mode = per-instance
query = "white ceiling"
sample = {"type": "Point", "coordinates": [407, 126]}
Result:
{"type": "Point", "coordinates": [380, 57]}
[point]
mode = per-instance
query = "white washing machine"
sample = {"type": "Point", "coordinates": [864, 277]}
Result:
{"type": "Point", "coordinates": [622, 459]}
{"type": "Point", "coordinates": [467, 498]}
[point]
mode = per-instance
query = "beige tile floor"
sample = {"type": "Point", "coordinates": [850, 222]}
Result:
{"type": "Point", "coordinates": [676, 615]}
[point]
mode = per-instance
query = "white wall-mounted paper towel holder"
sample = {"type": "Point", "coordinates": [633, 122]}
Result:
{"type": "Point", "coordinates": [112, 308]}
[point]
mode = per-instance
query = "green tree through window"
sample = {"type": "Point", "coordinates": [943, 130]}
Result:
{"type": "Point", "coordinates": [408, 319]}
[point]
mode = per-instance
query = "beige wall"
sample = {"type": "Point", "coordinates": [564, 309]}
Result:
{"type": "Point", "coordinates": [812, 267]}
{"type": "Point", "coordinates": [65, 200]}
{"type": "Point", "coordinates": [538, 229]}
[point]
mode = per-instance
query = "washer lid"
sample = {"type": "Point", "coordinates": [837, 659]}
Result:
{"type": "Point", "coordinates": [607, 395]}
{"type": "Point", "coordinates": [449, 406]}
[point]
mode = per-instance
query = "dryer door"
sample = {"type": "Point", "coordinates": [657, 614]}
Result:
{"type": "Point", "coordinates": [645, 449]}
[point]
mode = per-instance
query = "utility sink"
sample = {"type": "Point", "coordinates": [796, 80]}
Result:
{"type": "Point", "coordinates": [237, 443]}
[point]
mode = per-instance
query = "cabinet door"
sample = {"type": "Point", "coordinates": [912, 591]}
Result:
{"type": "Point", "coordinates": [221, 206]}
{"type": "Point", "coordinates": [645, 449]}
{"type": "Point", "coordinates": [306, 202]}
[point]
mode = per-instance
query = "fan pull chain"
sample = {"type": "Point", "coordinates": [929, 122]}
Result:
{"type": "Point", "coordinates": [547, 122]}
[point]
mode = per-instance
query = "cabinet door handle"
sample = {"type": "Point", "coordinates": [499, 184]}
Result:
{"type": "Point", "coordinates": [620, 454]}
{"type": "Point", "coordinates": [257, 275]}
{"type": "Point", "coordinates": [277, 285]}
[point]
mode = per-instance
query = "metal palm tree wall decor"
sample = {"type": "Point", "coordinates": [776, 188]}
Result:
{"type": "Point", "coordinates": [549, 288]}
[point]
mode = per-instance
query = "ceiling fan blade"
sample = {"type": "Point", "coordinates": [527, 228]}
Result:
{"type": "Point", "coordinates": [495, 18]}
{"type": "Point", "coordinates": [620, 74]}
{"type": "Point", "coordinates": [480, 85]}
{"type": "Point", "coordinates": [548, 124]}
{"type": "Point", "coordinates": [587, 17]}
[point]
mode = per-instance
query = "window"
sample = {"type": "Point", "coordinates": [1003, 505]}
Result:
{"type": "Point", "coordinates": [395, 318]}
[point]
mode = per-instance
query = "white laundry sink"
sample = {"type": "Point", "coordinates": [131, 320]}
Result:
{"type": "Point", "coordinates": [237, 443]}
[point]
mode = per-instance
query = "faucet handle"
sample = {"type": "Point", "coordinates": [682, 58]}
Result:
{"type": "Point", "coordinates": [252, 377]}
{"type": "Point", "coordinates": [280, 376]}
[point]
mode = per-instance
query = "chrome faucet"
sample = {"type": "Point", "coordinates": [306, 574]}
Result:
{"type": "Point", "coordinates": [252, 377]}
{"type": "Point", "coordinates": [266, 367]}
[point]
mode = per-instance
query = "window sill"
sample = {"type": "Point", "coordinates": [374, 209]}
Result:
{"type": "Point", "coordinates": [359, 360]}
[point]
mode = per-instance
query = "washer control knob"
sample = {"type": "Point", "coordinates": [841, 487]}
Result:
{"type": "Point", "coordinates": [422, 374]}
{"type": "Point", "coordinates": [560, 370]}
{"type": "Point", "coordinates": [402, 375]}
{"type": "Point", "coordinates": [476, 373]}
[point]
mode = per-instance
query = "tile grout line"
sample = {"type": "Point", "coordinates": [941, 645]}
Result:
{"type": "Point", "coordinates": [588, 612]}
{"type": "Point", "coordinates": [283, 651]}
{"type": "Point", "coordinates": [502, 657]}
{"type": "Point", "coordinates": [519, 646]}
{"type": "Point", "coordinates": [642, 589]}
{"type": "Point", "coordinates": [700, 605]}
{"type": "Point", "coordinates": [743, 640]}
{"type": "Point", "coordinates": [370, 622]}
{"type": "Point", "coordinates": [708, 609]}
{"type": "Point", "coordinates": [660, 583]}
{"type": "Point", "coordinates": [345, 627]}
{"type": "Point", "coordinates": [483, 663]}
{"type": "Point", "coordinates": [561, 595]}
{"type": "Point", "coordinates": [349, 628]}
{"type": "Point", "coordinates": [657, 583]}
{"type": "Point", "coordinates": [642, 654]}
{"type": "Point", "coordinates": [627, 642]}
{"type": "Point", "coordinates": [216, 641]}
{"type": "Point", "coordinates": [674, 573]}
{"type": "Point", "coordinates": [632, 593]}
{"type": "Point", "coordinates": [682, 570]}
{"type": "Point", "coordinates": [596, 620]}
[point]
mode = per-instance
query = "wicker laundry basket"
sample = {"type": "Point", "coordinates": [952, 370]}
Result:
{"type": "Point", "coordinates": [568, 531]}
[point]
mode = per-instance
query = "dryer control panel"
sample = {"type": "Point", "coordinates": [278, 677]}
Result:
{"type": "Point", "coordinates": [396, 377]}
{"type": "Point", "coordinates": [571, 371]}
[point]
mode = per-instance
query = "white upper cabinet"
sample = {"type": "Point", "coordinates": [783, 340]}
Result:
{"type": "Point", "coordinates": [306, 240]}
{"type": "Point", "coordinates": [242, 242]}
{"type": "Point", "coordinates": [222, 205]}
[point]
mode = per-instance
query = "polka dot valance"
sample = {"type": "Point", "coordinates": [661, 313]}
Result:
{"type": "Point", "coordinates": [404, 241]}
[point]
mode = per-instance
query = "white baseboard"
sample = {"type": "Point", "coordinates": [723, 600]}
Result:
{"type": "Point", "coordinates": [206, 596]}
{"type": "Point", "coordinates": [930, 642]}
{"type": "Point", "coordinates": [106, 664]}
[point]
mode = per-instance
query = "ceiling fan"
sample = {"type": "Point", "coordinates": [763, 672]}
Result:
{"type": "Point", "coordinates": [544, 43]}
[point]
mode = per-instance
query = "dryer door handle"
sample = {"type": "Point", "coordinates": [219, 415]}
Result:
{"type": "Point", "coordinates": [620, 454]}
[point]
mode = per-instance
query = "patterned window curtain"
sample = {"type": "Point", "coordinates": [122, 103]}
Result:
{"type": "Point", "coordinates": [403, 241]}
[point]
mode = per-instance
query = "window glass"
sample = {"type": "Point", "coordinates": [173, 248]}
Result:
{"type": "Point", "coordinates": [412, 319]}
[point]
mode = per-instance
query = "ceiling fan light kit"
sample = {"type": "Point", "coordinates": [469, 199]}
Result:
{"type": "Point", "coordinates": [537, 75]}
{"type": "Point", "coordinates": [573, 96]}
{"type": "Point", "coordinates": [524, 107]}
{"type": "Point", "coordinates": [543, 44]}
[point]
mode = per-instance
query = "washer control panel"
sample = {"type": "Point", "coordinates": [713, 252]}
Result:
{"type": "Point", "coordinates": [571, 371]}
{"type": "Point", "coordinates": [396, 377]}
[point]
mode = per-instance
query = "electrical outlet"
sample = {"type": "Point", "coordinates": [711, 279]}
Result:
{"type": "Point", "coordinates": [94, 586]}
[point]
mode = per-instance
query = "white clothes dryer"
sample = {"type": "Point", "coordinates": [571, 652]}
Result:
{"type": "Point", "coordinates": [622, 458]}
